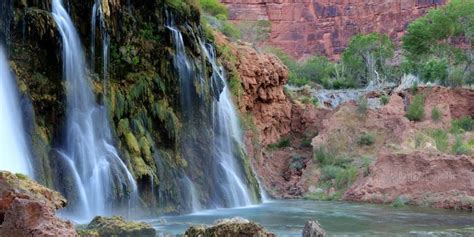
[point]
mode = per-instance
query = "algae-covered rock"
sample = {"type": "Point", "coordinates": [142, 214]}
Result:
{"type": "Point", "coordinates": [235, 227]}
{"type": "Point", "coordinates": [118, 226]}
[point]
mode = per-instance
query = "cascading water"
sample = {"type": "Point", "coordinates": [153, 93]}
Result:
{"type": "Point", "coordinates": [98, 173]}
{"type": "Point", "coordinates": [14, 153]}
{"type": "Point", "coordinates": [227, 138]}
{"type": "Point", "coordinates": [97, 11]}
{"type": "Point", "coordinates": [224, 183]}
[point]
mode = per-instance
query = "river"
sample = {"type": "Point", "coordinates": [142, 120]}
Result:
{"type": "Point", "coordinates": [287, 218]}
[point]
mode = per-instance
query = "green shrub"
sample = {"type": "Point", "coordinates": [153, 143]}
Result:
{"type": "Point", "coordinates": [436, 114]}
{"type": "Point", "coordinates": [323, 156]}
{"type": "Point", "coordinates": [305, 143]}
{"type": "Point", "coordinates": [441, 139]}
{"type": "Point", "coordinates": [296, 162]}
{"type": "Point", "coordinates": [464, 124]}
{"type": "Point", "coordinates": [459, 148]}
{"type": "Point", "coordinates": [345, 178]}
{"type": "Point", "coordinates": [435, 71]}
{"type": "Point", "coordinates": [366, 139]}
{"type": "Point", "coordinates": [416, 110]}
{"type": "Point", "coordinates": [365, 57]}
{"type": "Point", "coordinates": [384, 99]}
{"type": "Point", "coordinates": [230, 30]}
{"type": "Point", "coordinates": [214, 8]}
{"type": "Point", "coordinates": [400, 201]}
{"type": "Point", "coordinates": [362, 106]}
{"type": "Point", "coordinates": [414, 88]}
{"type": "Point", "coordinates": [284, 142]}
{"type": "Point", "coordinates": [330, 172]}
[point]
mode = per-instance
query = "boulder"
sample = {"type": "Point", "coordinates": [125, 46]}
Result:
{"type": "Point", "coordinates": [313, 229]}
{"type": "Point", "coordinates": [235, 227]}
{"type": "Point", "coordinates": [28, 209]}
{"type": "Point", "coordinates": [117, 226]}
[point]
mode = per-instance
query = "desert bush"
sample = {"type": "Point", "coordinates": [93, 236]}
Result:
{"type": "Point", "coordinates": [459, 148]}
{"type": "Point", "coordinates": [284, 142]}
{"type": "Point", "coordinates": [436, 114]}
{"type": "Point", "coordinates": [384, 99]}
{"type": "Point", "coordinates": [416, 110]}
{"type": "Point", "coordinates": [366, 139]}
{"type": "Point", "coordinates": [464, 124]}
{"type": "Point", "coordinates": [440, 138]}
{"type": "Point", "coordinates": [362, 106]}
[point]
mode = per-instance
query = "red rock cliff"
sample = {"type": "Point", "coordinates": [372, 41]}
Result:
{"type": "Point", "coordinates": [308, 27]}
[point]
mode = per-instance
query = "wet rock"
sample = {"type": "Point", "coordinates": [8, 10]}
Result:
{"type": "Point", "coordinates": [313, 229]}
{"type": "Point", "coordinates": [117, 226]}
{"type": "Point", "coordinates": [235, 227]}
{"type": "Point", "coordinates": [28, 209]}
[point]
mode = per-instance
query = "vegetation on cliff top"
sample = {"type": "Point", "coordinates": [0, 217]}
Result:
{"type": "Point", "coordinates": [437, 47]}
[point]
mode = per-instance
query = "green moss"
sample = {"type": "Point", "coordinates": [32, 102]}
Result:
{"type": "Point", "coordinates": [132, 144]}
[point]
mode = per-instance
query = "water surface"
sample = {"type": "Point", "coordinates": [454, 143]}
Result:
{"type": "Point", "coordinates": [287, 218]}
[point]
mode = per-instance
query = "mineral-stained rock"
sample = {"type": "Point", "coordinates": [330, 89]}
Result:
{"type": "Point", "coordinates": [118, 226]}
{"type": "Point", "coordinates": [308, 27]}
{"type": "Point", "coordinates": [235, 227]}
{"type": "Point", "coordinates": [313, 229]}
{"type": "Point", "coordinates": [263, 78]}
{"type": "Point", "coordinates": [422, 178]}
{"type": "Point", "coordinates": [28, 209]}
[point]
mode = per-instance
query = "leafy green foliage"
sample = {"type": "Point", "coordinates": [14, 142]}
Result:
{"type": "Point", "coordinates": [461, 125]}
{"type": "Point", "coordinates": [384, 99]}
{"type": "Point", "coordinates": [416, 110]}
{"type": "Point", "coordinates": [362, 106]}
{"type": "Point", "coordinates": [366, 139]}
{"type": "Point", "coordinates": [230, 30]}
{"type": "Point", "coordinates": [441, 139]}
{"type": "Point", "coordinates": [435, 70]}
{"type": "Point", "coordinates": [459, 148]}
{"type": "Point", "coordinates": [214, 8]}
{"type": "Point", "coordinates": [432, 39]}
{"type": "Point", "coordinates": [284, 142]}
{"type": "Point", "coordinates": [365, 57]}
{"type": "Point", "coordinates": [436, 114]}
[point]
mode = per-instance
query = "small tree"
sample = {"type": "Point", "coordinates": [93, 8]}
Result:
{"type": "Point", "coordinates": [366, 55]}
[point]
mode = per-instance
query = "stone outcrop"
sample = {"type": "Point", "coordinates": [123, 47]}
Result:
{"type": "Point", "coordinates": [304, 28]}
{"type": "Point", "coordinates": [235, 227]}
{"type": "Point", "coordinates": [421, 178]}
{"type": "Point", "coordinates": [313, 229]}
{"type": "Point", "coordinates": [262, 77]}
{"type": "Point", "coordinates": [28, 209]}
{"type": "Point", "coordinates": [117, 226]}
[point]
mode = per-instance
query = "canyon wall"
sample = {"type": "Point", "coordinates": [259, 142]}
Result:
{"type": "Point", "coordinates": [307, 27]}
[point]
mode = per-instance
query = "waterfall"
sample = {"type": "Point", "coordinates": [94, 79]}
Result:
{"type": "Point", "coordinates": [214, 134]}
{"type": "Point", "coordinates": [14, 153]}
{"type": "Point", "coordinates": [97, 11]}
{"type": "Point", "coordinates": [227, 137]}
{"type": "Point", "coordinates": [98, 173]}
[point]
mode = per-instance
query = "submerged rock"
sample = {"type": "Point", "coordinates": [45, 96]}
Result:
{"type": "Point", "coordinates": [234, 227]}
{"type": "Point", "coordinates": [28, 209]}
{"type": "Point", "coordinates": [117, 226]}
{"type": "Point", "coordinates": [313, 229]}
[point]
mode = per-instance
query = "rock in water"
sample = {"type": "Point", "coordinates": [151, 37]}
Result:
{"type": "Point", "coordinates": [313, 229]}
{"type": "Point", "coordinates": [235, 227]}
{"type": "Point", "coordinates": [28, 209]}
{"type": "Point", "coordinates": [118, 226]}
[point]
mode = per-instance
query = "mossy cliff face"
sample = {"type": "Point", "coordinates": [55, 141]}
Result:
{"type": "Point", "coordinates": [142, 91]}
